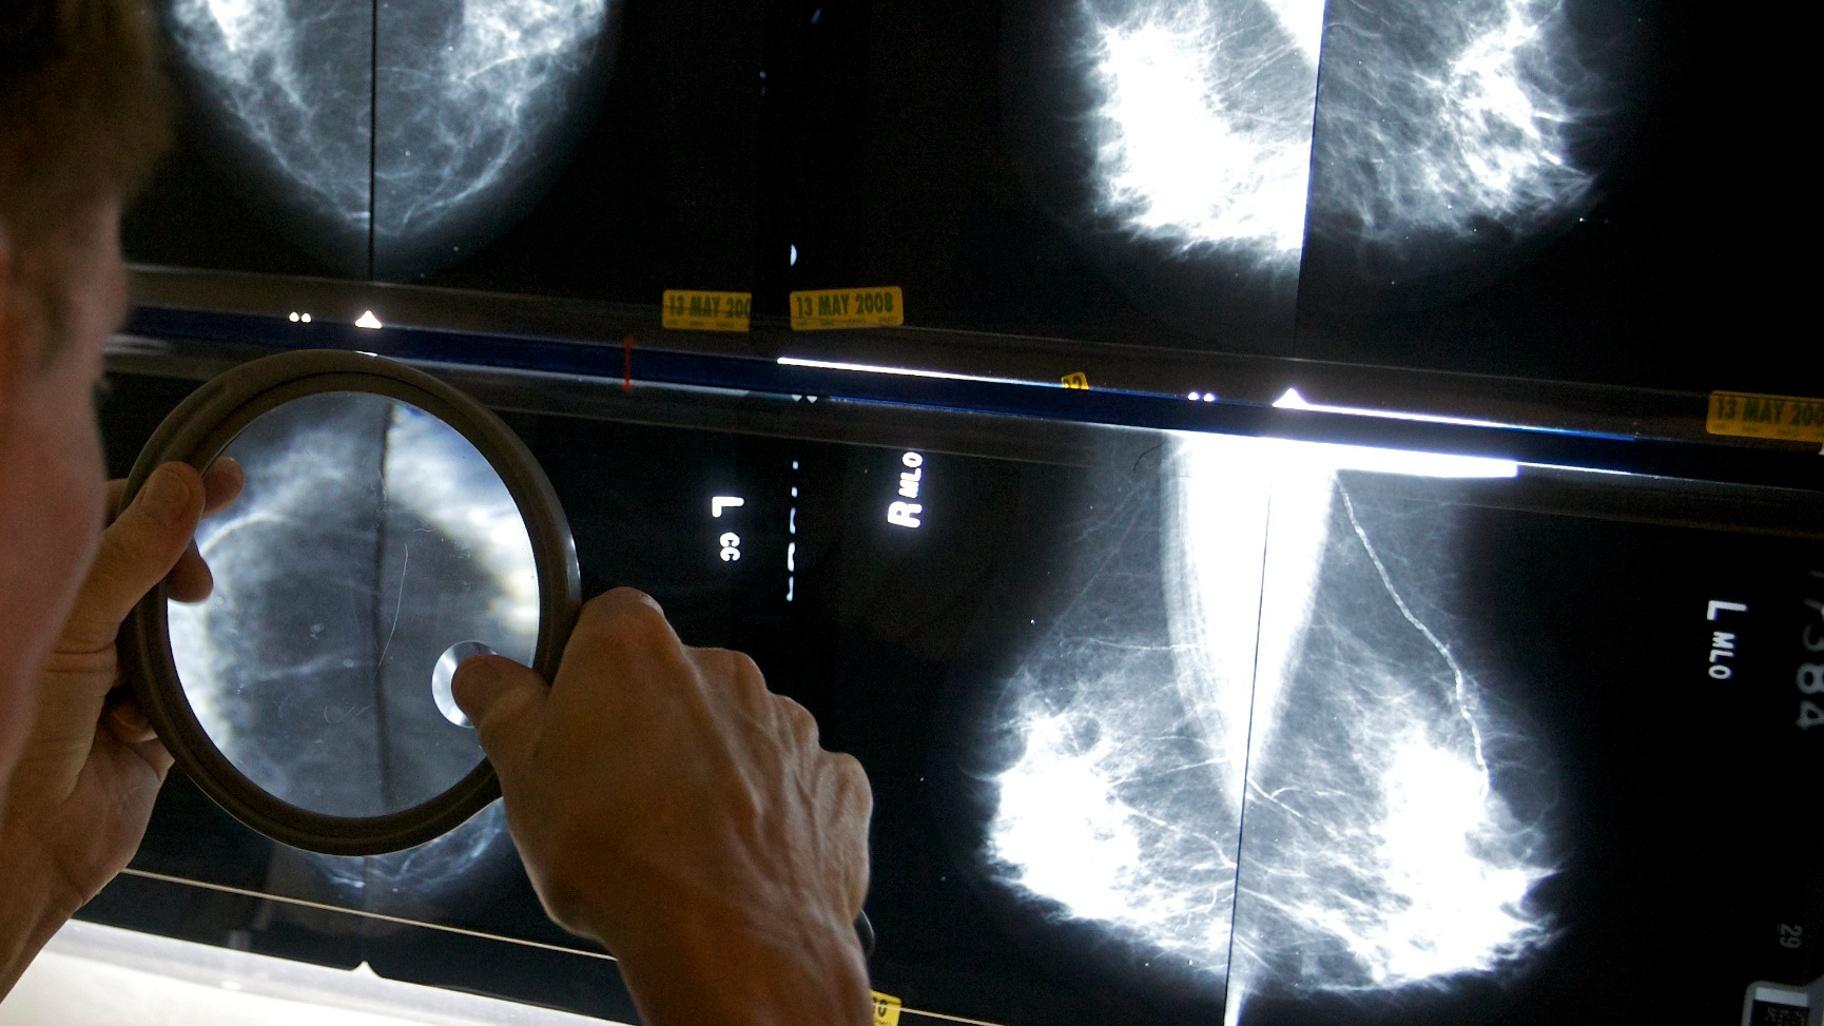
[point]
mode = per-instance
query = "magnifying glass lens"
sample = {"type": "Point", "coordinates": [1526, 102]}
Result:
{"type": "Point", "coordinates": [372, 549]}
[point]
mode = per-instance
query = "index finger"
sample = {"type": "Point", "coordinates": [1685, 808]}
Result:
{"type": "Point", "coordinates": [626, 616]}
{"type": "Point", "coordinates": [623, 642]}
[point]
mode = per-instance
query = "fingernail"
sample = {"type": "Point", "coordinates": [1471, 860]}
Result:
{"type": "Point", "coordinates": [167, 495]}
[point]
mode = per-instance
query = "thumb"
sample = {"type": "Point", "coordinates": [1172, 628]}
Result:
{"type": "Point", "coordinates": [137, 550]}
{"type": "Point", "coordinates": [506, 702]}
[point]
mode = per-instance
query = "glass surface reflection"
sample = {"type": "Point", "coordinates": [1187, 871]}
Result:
{"type": "Point", "coordinates": [370, 537]}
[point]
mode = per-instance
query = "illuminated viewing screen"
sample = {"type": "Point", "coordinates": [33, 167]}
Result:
{"type": "Point", "coordinates": [1171, 728]}
{"type": "Point", "coordinates": [1517, 187]}
{"type": "Point", "coordinates": [490, 144]}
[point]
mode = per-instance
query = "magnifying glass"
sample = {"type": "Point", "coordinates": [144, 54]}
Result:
{"type": "Point", "coordinates": [389, 527]}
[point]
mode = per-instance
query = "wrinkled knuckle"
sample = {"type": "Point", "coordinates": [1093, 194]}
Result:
{"type": "Point", "coordinates": [800, 721]}
{"type": "Point", "coordinates": [852, 778]}
{"type": "Point", "coordinates": [847, 767]}
{"type": "Point", "coordinates": [621, 624]}
{"type": "Point", "coordinates": [594, 616]}
{"type": "Point", "coordinates": [624, 596]}
{"type": "Point", "coordinates": [644, 623]}
{"type": "Point", "coordinates": [738, 669]}
{"type": "Point", "coordinates": [745, 669]}
{"type": "Point", "coordinates": [616, 601]}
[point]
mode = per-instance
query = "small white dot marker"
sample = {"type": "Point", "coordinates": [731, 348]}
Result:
{"type": "Point", "coordinates": [294, 317]}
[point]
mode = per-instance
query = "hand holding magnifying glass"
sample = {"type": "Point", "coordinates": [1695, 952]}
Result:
{"type": "Point", "coordinates": [664, 800]}
{"type": "Point", "coordinates": [669, 805]}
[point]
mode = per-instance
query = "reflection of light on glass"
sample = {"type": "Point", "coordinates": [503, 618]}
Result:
{"type": "Point", "coordinates": [910, 372]}
{"type": "Point", "coordinates": [1292, 400]}
{"type": "Point", "coordinates": [1204, 125]}
{"type": "Point", "coordinates": [1378, 851]}
{"type": "Point", "coordinates": [369, 321]}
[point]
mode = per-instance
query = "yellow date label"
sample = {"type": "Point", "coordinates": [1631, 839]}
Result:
{"type": "Point", "coordinates": [1749, 415]}
{"type": "Point", "coordinates": [691, 310]}
{"type": "Point", "coordinates": [886, 1010]}
{"type": "Point", "coordinates": [829, 309]}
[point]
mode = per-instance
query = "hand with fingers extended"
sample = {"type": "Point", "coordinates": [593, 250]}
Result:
{"type": "Point", "coordinates": [669, 806]}
{"type": "Point", "coordinates": [75, 808]}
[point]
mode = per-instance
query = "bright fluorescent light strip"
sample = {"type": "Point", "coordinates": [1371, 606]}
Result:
{"type": "Point", "coordinates": [1293, 401]}
{"type": "Point", "coordinates": [908, 372]}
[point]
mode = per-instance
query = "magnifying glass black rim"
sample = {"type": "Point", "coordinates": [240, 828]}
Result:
{"type": "Point", "coordinates": [198, 431]}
